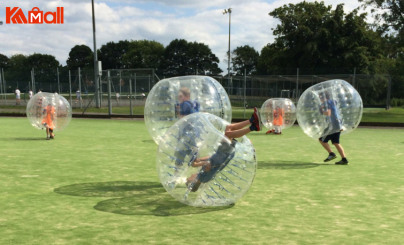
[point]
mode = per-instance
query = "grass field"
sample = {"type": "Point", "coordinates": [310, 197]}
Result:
{"type": "Point", "coordinates": [97, 183]}
{"type": "Point", "coordinates": [394, 115]}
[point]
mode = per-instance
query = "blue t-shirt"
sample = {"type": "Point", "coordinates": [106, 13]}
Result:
{"type": "Point", "coordinates": [334, 118]}
{"type": "Point", "coordinates": [188, 107]}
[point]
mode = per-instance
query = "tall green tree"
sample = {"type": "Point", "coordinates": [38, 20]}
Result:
{"type": "Point", "coordinates": [45, 69]}
{"type": "Point", "coordinates": [391, 11]}
{"type": "Point", "coordinates": [391, 14]}
{"type": "Point", "coordinates": [184, 58]}
{"type": "Point", "coordinates": [143, 54]}
{"type": "Point", "coordinates": [112, 54]}
{"type": "Point", "coordinates": [317, 39]}
{"type": "Point", "coordinates": [202, 60]}
{"type": "Point", "coordinates": [20, 67]}
{"type": "Point", "coordinates": [4, 61]}
{"type": "Point", "coordinates": [80, 56]}
{"type": "Point", "coordinates": [175, 58]}
{"type": "Point", "coordinates": [245, 58]}
{"type": "Point", "coordinates": [19, 72]}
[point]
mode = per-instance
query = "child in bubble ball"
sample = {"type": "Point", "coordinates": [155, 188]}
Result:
{"type": "Point", "coordinates": [333, 130]}
{"type": "Point", "coordinates": [47, 121]}
{"type": "Point", "coordinates": [184, 108]}
{"type": "Point", "coordinates": [211, 165]}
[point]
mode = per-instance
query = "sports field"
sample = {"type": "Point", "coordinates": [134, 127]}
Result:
{"type": "Point", "coordinates": [97, 183]}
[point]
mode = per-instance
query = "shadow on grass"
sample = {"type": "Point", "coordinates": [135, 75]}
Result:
{"type": "Point", "coordinates": [136, 198]}
{"type": "Point", "coordinates": [159, 205]}
{"type": "Point", "coordinates": [24, 138]}
{"type": "Point", "coordinates": [279, 164]}
{"type": "Point", "coordinates": [111, 189]}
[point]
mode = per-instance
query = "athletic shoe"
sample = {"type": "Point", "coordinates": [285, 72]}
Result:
{"type": "Point", "coordinates": [269, 131]}
{"type": "Point", "coordinates": [52, 137]}
{"type": "Point", "coordinates": [252, 118]}
{"type": "Point", "coordinates": [343, 161]}
{"type": "Point", "coordinates": [257, 121]}
{"type": "Point", "coordinates": [255, 115]}
{"type": "Point", "coordinates": [253, 127]}
{"type": "Point", "coordinates": [330, 157]}
{"type": "Point", "coordinates": [47, 138]}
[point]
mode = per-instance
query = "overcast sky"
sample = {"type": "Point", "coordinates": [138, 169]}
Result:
{"type": "Point", "coordinates": [158, 20]}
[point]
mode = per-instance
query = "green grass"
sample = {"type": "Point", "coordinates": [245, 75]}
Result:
{"type": "Point", "coordinates": [97, 183]}
{"type": "Point", "coordinates": [381, 115]}
{"type": "Point", "coordinates": [394, 115]}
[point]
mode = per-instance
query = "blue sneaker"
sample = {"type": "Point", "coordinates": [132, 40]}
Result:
{"type": "Point", "coordinates": [254, 127]}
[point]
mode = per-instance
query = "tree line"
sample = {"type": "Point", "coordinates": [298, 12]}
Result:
{"type": "Point", "coordinates": [311, 36]}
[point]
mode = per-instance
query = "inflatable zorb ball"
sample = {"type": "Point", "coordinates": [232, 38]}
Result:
{"type": "Point", "coordinates": [329, 107]}
{"type": "Point", "coordinates": [42, 104]}
{"type": "Point", "coordinates": [278, 112]}
{"type": "Point", "coordinates": [199, 166]}
{"type": "Point", "coordinates": [173, 98]}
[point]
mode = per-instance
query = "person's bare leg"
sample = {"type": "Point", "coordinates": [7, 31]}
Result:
{"type": "Point", "coordinates": [237, 133]}
{"type": "Point", "coordinates": [47, 132]}
{"type": "Point", "coordinates": [236, 126]}
{"type": "Point", "coordinates": [326, 146]}
{"type": "Point", "coordinates": [340, 149]}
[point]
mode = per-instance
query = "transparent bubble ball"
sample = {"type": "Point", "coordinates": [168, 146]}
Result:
{"type": "Point", "coordinates": [165, 102]}
{"type": "Point", "coordinates": [201, 136]}
{"type": "Point", "coordinates": [59, 106]}
{"type": "Point", "coordinates": [279, 112]}
{"type": "Point", "coordinates": [329, 107]}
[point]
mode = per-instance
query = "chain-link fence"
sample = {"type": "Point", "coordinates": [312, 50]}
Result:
{"type": "Point", "coordinates": [123, 91]}
{"type": "Point", "coordinates": [252, 91]}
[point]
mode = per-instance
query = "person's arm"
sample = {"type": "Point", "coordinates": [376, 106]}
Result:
{"type": "Point", "coordinates": [327, 112]}
{"type": "Point", "coordinates": [202, 162]}
{"type": "Point", "coordinates": [202, 159]}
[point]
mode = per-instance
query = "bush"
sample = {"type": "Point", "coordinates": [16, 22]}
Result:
{"type": "Point", "coordinates": [397, 102]}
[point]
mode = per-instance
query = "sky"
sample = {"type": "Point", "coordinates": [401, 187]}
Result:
{"type": "Point", "coordinates": [158, 20]}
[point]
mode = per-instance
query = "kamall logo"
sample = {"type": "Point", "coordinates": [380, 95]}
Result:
{"type": "Point", "coordinates": [15, 15]}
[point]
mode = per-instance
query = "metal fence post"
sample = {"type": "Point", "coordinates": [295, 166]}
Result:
{"type": "Point", "coordinates": [245, 87]}
{"type": "Point", "coordinates": [33, 80]}
{"type": "Point", "coordinates": [388, 94]}
{"type": "Point", "coordinates": [5, 87]}
{"type": "Point", "coordinates": [70, 89]}
{"type": "Point", "coordinates": [109, 94]}
{"type": "Point", "coordinates": [57, 72]}
{"type": "Point", "coordinates": [135, 86]}
{"type": "Point", "coordinates": [1, 82]}
{"type": "Point", "coordinates": [130, 96]}
{"type": "Point", "coordinates": [297, 84]}
{"type": "Point", "coordinates": [80, 99]}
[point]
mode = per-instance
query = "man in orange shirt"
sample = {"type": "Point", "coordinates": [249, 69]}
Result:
{"type": "Point", "coordinates": [47, 121]}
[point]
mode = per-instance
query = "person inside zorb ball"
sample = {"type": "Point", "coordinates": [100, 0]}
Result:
{"type": "Point", "coordinates": [48, 111]}
{"type": "Point", "coordinates": [327, 110]}
{"type": "Point", "coordinates": [218, 161]}
{"type": "Point", "coordinates": [278, 114]}
{"type": "Point", "coordinates": [173, 98]}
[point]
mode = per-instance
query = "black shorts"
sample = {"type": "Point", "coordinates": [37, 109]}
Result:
{"type": "Point", "coordinates": [333, 137]}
